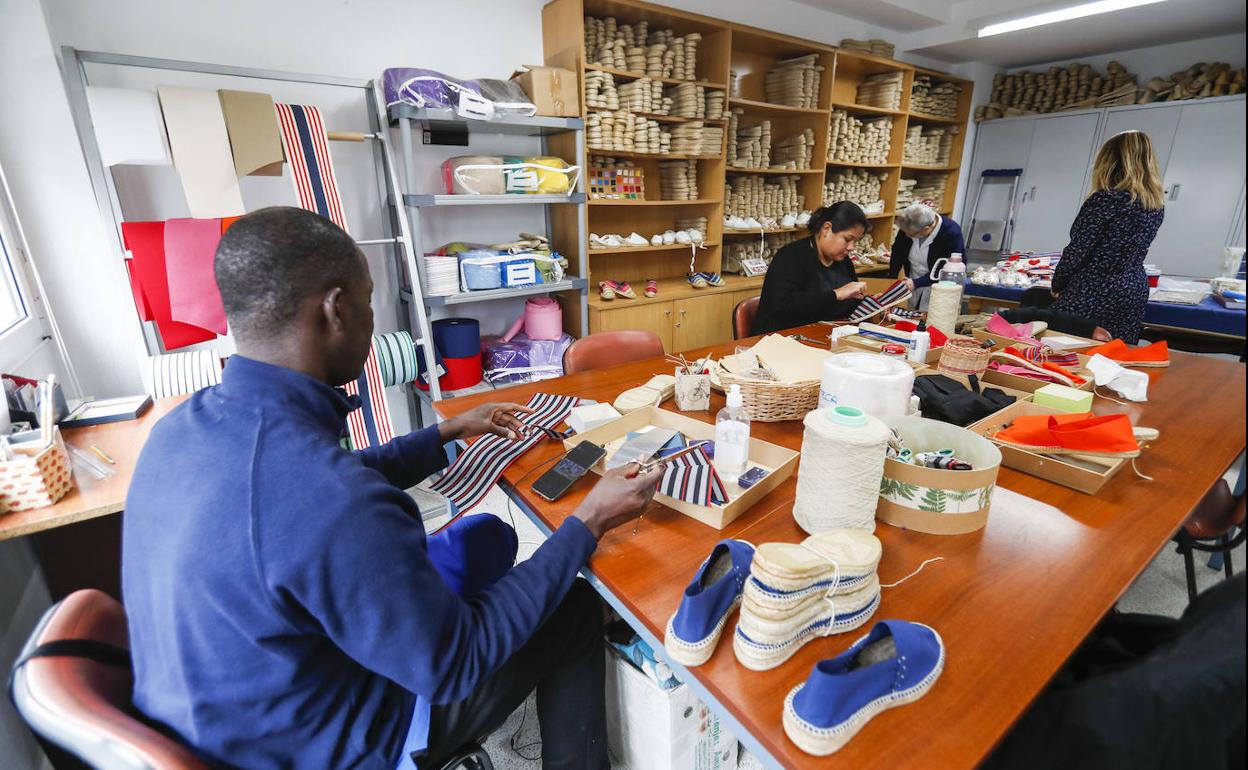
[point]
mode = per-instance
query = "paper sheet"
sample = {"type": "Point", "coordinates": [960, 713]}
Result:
{"type": "Point", "coordinates": [146, 242]}
{"type": "Point", "coordinates": [255, 139]}
{"type": "Point", "coordinates": [190, 246]}
{"type": "Point", "coordinates": [201, 151]}
{"type": "Point", "coordinates": [1058, 342]}
{"type": "Point", "coordinates": [789, 359]}
{"type": "Point", "coordinates": [128, 126]}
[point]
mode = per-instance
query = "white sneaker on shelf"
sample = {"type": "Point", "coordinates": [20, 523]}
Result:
{"type": "Point", "coordinates": [735, 223]}
{"type": "Point", "coordinates": [789, 220]}
{"type": "Point", "coordinates": [657, 240]}
{"type": "Point", "coordinates": [595, 241]}
{"type": "Point", "coordinates": [682, 237]}
{"type": "Point", "coordinates": [612, 241]}
{"type": "Point", "coordinates": [669, 237]}
{"type": "Point", "coordinates": [750, 223]}
{"type": "Point", "coordinates": [635, 239]}
{"type": "Point", "coordinates": [803, 219]}
{"type": "Point", "coordinates": [695, 235]}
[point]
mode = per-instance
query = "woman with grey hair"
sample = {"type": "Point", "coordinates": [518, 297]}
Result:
{"type": "Point", "coordinates": [923, 237]}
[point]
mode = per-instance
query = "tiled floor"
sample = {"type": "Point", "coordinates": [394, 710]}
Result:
{"type": "Point", "coordinates": [1161, 589]}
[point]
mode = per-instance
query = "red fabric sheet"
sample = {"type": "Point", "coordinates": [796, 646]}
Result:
{"type": "Point", "coordinates": [146, 242]}
{"type": "Point", "coordinates": [190, 246]}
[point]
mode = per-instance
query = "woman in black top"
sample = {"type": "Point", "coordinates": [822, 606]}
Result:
{"type": "Point", "coordinates": [813, 279]}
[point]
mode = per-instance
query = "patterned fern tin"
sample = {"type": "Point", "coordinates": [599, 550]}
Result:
{"type": "Point", "coordinates": [934, 500]}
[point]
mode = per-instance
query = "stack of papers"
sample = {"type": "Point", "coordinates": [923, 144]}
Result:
{"type": "Point", "coordinates": [790, 360]}
{"type": "Point", "coordinates": [441, 276]}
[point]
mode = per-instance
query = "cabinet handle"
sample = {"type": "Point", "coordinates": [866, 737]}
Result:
{"type": "Point", "coordinates": [682, 312]}
{"type": "Point", "coordinates": [1174, 191]}
{"type": "Point", "coordinates": [667, 313]}
{"type": "Point", "coordinates": [1033, 195]}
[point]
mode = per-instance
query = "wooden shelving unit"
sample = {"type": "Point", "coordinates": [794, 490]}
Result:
{"type": "Point", "coordinates": [750, 53]}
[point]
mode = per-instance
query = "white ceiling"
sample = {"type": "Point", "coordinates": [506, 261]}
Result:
{"type": "Point", "coordinates": [946, 29]}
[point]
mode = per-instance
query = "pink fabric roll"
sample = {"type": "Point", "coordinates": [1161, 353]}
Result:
{"type": "Point", "coordinates": [515, 328]}
{"type": "Point", "coordinates": [543, 319]}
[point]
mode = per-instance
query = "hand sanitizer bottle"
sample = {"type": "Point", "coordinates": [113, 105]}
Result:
{"type": "Point", "coordinates": [920, 343]}
{"type": "Point", "coordinates": [732, 438]}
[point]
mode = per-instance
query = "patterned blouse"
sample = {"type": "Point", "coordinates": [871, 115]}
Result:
{"type": "Point", "coordinates": [1101, 273]}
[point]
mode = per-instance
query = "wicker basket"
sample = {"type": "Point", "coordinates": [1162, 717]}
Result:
{"type": "Point", "coordinates": [964, 356]}
{"type": "Point", "coordinates": [774, 401]}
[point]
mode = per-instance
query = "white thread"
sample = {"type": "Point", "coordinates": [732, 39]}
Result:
{"type": "Point", "coordinates": [1137, 471]}
{"type": "Point", "coordinates": [912, 574]}
{"type": "Point", "coordinates": [943, 307]}
{"type": "Point", "coordinates": [838, 481]}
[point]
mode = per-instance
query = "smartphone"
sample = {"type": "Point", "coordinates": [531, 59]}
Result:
{"type": "Point", "coordinates": [555, 482]}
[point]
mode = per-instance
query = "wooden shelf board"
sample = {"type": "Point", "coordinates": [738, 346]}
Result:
{"type": "Point", "coordinates": [612, 71]}
{"type": "Point", "coordinates": [653, 155]}
{"type": "Point", "coordinates": [754, 233]}
{"type": "Point", "coordinates": [643, 249]}
{"type": "Point", "coordinates": [673, 289]}
{"type": "Point", "coordinates": [635, 202]}
{"type": "Point", "coordinates": [882, 215]}
{"type": "Point", "coordinates": [846, 164]}
{"type": "Point", "coordinates": [912, 167]}
{"type": "Point", "coordinates": [894, 64]}
{"type": "Point", "coordinates": [865, 109]}
{"type": "Point", "coordinates": [776, 109]}
{"type": "Point", "coordinates": [932, 118]}
{"type": "Point", "coordinates": [878, 269]}
{"type": "Point", "coordinates": [730, 170]}
{"type": "Point", "coordinates": [675, 118]}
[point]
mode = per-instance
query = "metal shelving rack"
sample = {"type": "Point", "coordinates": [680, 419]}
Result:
{"type": "Point", "coordinates": [410, 119]}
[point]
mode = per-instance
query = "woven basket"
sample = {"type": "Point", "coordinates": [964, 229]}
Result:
{"type": "Point", "coordinates": [774, 401]}
{"type": "Point", "coordinates": [964, 356]}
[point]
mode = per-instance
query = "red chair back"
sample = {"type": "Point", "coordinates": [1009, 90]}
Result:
{"type": "Point", "coordinates": [743, 317]}
{"type": "Point", "coordinates": [598, 351]}
{"type": "Point", "coordinates": [82, 705]}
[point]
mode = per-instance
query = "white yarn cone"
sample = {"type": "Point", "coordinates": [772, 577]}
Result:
{"type": "Point", "coordinates": [838, 481]}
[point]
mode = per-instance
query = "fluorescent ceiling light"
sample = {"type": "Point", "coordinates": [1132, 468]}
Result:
{"type": "Point", "coordinates": [1063, 14]}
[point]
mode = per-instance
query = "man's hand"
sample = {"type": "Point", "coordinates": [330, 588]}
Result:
{"type": "Point", "coordinates": [619, 496]}
{"type": "Point", "coordinates": [1101, 335]}
{"type": "Point", "coordinates": [852, 290]}
{"type": "Point", "coordinates": [910, 284]}
{"type": "Point", "coordinates": [499, 419]}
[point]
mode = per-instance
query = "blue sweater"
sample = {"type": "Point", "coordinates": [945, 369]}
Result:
{"type": "Point", "coordinates": [282, 609]}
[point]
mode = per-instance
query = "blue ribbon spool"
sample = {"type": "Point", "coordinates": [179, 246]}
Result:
{"type": "Point", "coordinates": [457, 337]}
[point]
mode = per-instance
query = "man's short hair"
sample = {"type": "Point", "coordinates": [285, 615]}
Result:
{"type": "Point", "coordinates": [273, 259]}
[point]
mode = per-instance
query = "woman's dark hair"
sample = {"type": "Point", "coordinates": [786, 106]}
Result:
{"type": "Point", "coordinates": [842, 215]}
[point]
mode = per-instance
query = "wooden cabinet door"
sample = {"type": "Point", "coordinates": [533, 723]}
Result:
{"type": "Point", "coordinates": [655, 317]}
{"type": "Point", "coordinates": [701, 321]}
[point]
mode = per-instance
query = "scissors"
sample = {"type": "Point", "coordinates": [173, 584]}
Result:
{"type": "Point", "coordinates": [646, 466]}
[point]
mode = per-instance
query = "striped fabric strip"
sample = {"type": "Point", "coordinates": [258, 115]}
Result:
{"type": "Point", "coordinates": [472, 474]}
{"type": "Point", "coordinates": [1042, 354]}
{"type": "Point", "coordinates": [177, 374]}
{"type": "Point", "coordinates": [316, 186]}
{"type": "Point", "coordinates": [871, 305]}
{"type": "Point", "coordinates": [396, 355]}
{"type": "Point", "coordinates": [692, 479]}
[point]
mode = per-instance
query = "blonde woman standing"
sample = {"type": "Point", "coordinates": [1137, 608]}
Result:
{"type": "Point", "coordinates": [1101, 273]}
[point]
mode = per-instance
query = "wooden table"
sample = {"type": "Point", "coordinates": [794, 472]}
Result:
{"type": "Point", "coordinates": [1011, 601]}
{"type": "Point", "coordinates": [88, 554]}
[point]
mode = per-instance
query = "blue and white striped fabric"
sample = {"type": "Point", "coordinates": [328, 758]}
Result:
{"type": "Point", "coordinates": [692, 479]}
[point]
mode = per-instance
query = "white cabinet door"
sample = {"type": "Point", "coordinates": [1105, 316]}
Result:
{"type": "Point", "coordinates": [1204, 182]}
{"type": "Point", "coordinates": [1000, 144]}
{"type": "Point", "coordinates": [1160, 123]}
{"type": "Point", "coordinates": [1054, 180]}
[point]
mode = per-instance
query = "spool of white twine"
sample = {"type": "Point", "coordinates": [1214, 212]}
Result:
{"type": "Point", "coordinates": [838, 481]}
{"type": "Point", "coordinates": [944, 307]}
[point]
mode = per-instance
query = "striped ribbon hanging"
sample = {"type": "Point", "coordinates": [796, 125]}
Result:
{"type": "Point", "coordinates": [316, 186]}
{"type": "Point", "coordinates": [472, 474]}
{"type": "Point", "coordinates": [177, 374]}
{"type": "Point", "coordinates": [692, 478]}
{"type": "Point", "coordinates": [872, 304]}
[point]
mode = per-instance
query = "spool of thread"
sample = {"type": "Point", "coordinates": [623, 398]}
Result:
{"type": "Point", "coordinates": [877, 385]}
{"type": "Point", "coordinates": [460, 373]}
{"type": "Point", "coordinates": [838, 481]}
{"type": "Point", "coordinates": [457, 337]}
{"type": "Point", "coordinates": [543, 319]}
{"type": "Point", "coordinates": [396, 357]}
{"type": "Point", "coordinates": [944, 307]}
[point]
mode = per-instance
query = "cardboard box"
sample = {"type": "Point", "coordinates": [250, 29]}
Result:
{"type": "Point", "coordinates": [1029, 385]}
{"type": "Point", "coordinates": [1085, 474]}
{"type": "Point", "coordinates": [780, 461]}
{"type": "Point", "coordinates": [1064, 398]}
{"type": "Point", "coordinates": [649, 728]}
{"type": "Point", "coordinates": [934, 500]}
{"type": "Point", "coordinates": [553, 90]}
{"type": "Point", "coordinates": [37, 476]}
{"type": "Point", "coordinates": [1005, 342]}
{"type": "Point", "coordinates": [874, 345]}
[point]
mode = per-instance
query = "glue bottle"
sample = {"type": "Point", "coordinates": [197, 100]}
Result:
{"type": "Point", "coordinates": [732, 438]}
{"type": "Point", "coordinates": [920, 343]}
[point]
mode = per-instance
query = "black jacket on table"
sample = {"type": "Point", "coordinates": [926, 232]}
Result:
{"type": "Point", "coordinates": [799, 290]}
{"type": "Point", "coordinates": [948, 241]}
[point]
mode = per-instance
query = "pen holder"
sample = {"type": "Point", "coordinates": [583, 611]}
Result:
{"type": "Point", "coordinates": [36, 476]}
{"type": "Point", "coordinates": [693, 391]}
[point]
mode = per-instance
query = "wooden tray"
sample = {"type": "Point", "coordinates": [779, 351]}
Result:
{"type": "Point", "coordinates": [1085, 474]}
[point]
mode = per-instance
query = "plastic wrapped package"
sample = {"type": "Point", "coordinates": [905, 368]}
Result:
{"type": "Point", "coordinates": [482, 98]}
{"type": "Point", "coordinates": [481, 270]}
{"type": "Point", "coordinates": [497, 175]}
{"type": "Point", "coordinates": [523, 359]}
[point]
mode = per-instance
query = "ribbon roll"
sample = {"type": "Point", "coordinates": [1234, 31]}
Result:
{"type": "Point", "coordinates": [177, 374]}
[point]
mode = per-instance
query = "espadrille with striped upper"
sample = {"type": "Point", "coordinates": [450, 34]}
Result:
{"type": "Point", "coordinates": [695, 628]}
{"type": "Point", "coordinates": [896, 663]}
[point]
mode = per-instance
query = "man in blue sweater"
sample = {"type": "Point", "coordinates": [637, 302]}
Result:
{"type": "Point", "coordinates": [285, 607]}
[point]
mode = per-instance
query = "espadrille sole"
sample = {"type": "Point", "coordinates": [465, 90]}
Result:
{"type": "Point", "coordinates": [758, 656]}
{"type": "Point", "coordinates": [699, 652]}
{"type": "Point", "coordinates": [821, 741]}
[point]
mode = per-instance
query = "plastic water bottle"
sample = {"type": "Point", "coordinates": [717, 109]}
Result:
{"type": "Point", "coordinates": [953, 270]}
{"type": "Point", "coordinates": [920, 343]}
{"type": "Point", "coordinates": [732, 438]}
